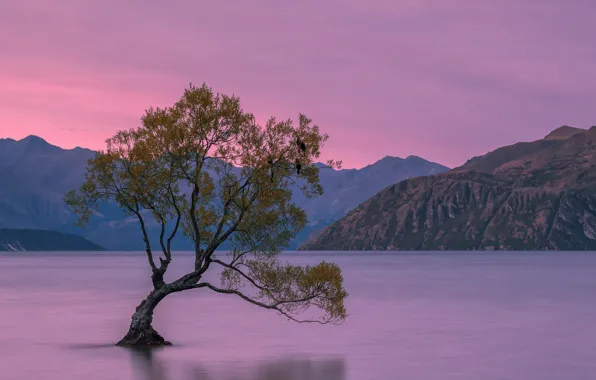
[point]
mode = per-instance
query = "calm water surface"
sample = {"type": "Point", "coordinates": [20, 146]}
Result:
{"type": "Point", "coordinates": [412, 316]}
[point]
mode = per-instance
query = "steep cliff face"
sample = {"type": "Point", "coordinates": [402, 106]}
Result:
{"type": "Point", "coordinates": [529, 196]}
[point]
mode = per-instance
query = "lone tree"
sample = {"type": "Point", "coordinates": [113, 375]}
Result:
{"type": "Point", "coordinates": [204, 168]}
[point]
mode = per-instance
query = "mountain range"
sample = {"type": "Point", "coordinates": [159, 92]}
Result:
{"type": "Point", "coordinates": [43, 240]}
{"type": "Point", "coordinates": [34, 176]}
{"type": "Point", "coordinates": [537, 195]}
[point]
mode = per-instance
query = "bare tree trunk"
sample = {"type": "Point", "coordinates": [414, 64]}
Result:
{"type": "Point", "coordinates": [141, 332]}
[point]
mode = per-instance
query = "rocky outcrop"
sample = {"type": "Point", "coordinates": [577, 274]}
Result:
{"type": "Point", "coordinates": [528, 196]}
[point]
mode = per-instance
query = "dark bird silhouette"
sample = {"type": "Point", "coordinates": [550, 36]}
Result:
{"type": "Point", "coordinates": [298, 166]}
{"type": "Point", "coordinates": [300, 144]}
{"type": "Point", "coordinates": [270, 162]}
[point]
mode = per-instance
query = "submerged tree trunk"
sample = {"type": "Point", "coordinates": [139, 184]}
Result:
{"type": "Point", "coordinates": [141, 332]}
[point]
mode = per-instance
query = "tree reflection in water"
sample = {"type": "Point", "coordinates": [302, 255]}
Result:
{"type": "Point", "coordinates": [148, 367]}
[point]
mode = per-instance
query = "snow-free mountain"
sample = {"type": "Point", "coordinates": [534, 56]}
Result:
{"type": "Point", "coordinates": [16, 240]}
{"type": "Point", "coordinates": [35, 175]}
{"type": "Point", "coordinates": [537, 195]}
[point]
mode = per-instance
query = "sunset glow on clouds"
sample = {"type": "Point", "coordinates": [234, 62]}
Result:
{"type": "Point", "coordinates": [445, 80]}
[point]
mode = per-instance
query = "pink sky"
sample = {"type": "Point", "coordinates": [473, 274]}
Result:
{"type": "Point", "coordinates": [445, 80]}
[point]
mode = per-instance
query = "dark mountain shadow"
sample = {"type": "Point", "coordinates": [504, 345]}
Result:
{"type": "Point", "coordinates": [147, 366]}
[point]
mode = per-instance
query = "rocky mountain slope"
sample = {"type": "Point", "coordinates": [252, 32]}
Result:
{"type": "Point", "coordinates": [347, 188]}
{"type": "Point", "coordinates": [43, 240]}
{"type": "Point", "coordinates": [528, 196]}
{"type": "Point", "coordinates": [34, 176]}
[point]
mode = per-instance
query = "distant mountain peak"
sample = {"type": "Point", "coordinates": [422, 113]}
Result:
{"type": "Point", "coordinates": [415, 158]}
{"type": "Point", "coordinates": [32, 138]}
{"type": "Point", "coordinates": [81, 149]}
{"type": "Point", "coordinates": [34, 141]}
{"type": "Point", "coordinates": [563, 133]}
{"type": "Point", "coordinates": [386, 159]}
{"type": "Point", "coordinates": [390, 158]}
{"type": "Point", "coordinates": [411, 157]}
{"type": "Point", "coordinates": [320, 165]}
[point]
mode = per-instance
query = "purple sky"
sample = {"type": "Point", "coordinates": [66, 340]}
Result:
{"type": "Point", "coordinates": [442, 79]}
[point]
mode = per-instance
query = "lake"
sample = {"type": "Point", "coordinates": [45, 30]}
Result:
{"type": "Point", "coordinates": [476, 315]}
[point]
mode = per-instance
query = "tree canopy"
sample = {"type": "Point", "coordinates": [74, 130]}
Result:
{"type": "Point", "coordinates": [205, 169]}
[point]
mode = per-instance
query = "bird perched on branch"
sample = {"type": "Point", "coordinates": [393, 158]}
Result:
{"type": "Point", "coordinates": [270, 162]}
{"type": "Point", "coordinates": [301, 144]}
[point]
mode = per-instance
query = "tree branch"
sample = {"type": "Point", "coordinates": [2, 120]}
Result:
{"type": "Point", "coordinates": [237, 270]}
{"type": "Point", "coordinates": [145, 238]}
{"type": "Point", "coordinates": [193, 217]}
{"type": "Point", "coordinates": [274, 306]}
{"type": "Point", "coordinates": [216, 240]}
{"type": "Point", "coordinates": [176, 225]}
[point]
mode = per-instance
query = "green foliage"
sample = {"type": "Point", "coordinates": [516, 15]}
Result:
{"type": "Point", "coordinates": [293, 288]}
{"type": "Point", "coordinates": [207, 168]}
